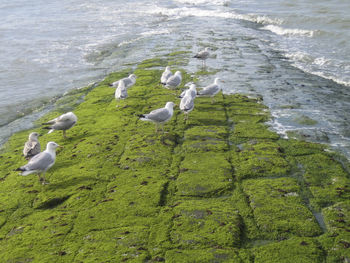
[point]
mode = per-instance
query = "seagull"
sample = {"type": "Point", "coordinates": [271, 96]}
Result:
{"type": "Point", "coordinates": [121, 91]}
{"type": "Point", "coordinates": [211, 90]}
{"type": "Point", "coordinates": [32, 146]}
{"type": "Point", "coordinates": [203, 55]}
{"type": "Point", "coordinates": [159, 116]}
{"type": "Point", "coordinates": [129, 81]}
{"type": "Point", "coordinates": [63, 122]}
{"type": "Point", "coordinates": [174, 80]}
{"type": "Point", "coordinates": [193, 90]}
{"type": "Point", "coordinates": [187, 103]}
{"type": "Point", "coordinates": [166, 75]}
{"type": "Point", "coordinates": [41, 162]}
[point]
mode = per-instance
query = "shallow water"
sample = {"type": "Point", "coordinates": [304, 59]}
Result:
{"type": "Point", "coordinates": [295, 54]}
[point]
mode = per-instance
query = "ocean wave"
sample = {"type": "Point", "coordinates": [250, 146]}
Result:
{"type": "Point", "coordinates": [176, 13]}
{"type": "Point", "coordinates": [288, 32]}
{"type": "Point", "coordinates": [316, 66]}
{"type": "Point", "coordinates": [201, 2]}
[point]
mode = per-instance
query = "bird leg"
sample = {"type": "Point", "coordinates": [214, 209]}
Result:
{"type": "Point", "coordinates": [64, 134]}
{"type": "Point", "coordinates": [212, 100]}
{"type": "Point", "coordinates": [43, 181]}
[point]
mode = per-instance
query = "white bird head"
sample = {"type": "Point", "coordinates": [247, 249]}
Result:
{"type": "Point", "coordinates": [33, 136]}
{"type": "Point", "coordinates": [51, 146]}
{"type": "Point", "coordinates": [169, 104]}
{"type": "Point", "coordinates": [193, 87]}
{"type": "Point", "coordinates": [132, 76]}
{"type": "Point", "coordinates": [216, 81]}
{"type": "Point", "coordinates": [178, 73]}
{"type": "Point", "coordinates": [70, 115]}
{"type": "Point", "coordinates": [167, 68]}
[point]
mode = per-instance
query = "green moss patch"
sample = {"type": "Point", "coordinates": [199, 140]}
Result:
{"type": "Point", "coordinates": [259, 159]}
{"type": "Point", "coordinates": [206, 223]}
{"type": "Point", "coordinates": [294, 250]}
{"type": "Point", "coordinates": [278, 208]}
{"type": "Point", "coordinates": [202, 174]}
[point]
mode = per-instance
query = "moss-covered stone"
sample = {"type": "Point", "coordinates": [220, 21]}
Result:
{"type": "Point", "coordinates": [293, 250]}
{"type": "Point", "coordinates": [121, 192]}
{"type": "Point", "coordinates": [278, 208]}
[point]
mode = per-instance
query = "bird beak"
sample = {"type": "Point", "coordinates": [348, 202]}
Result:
{"type": "Point", "coordinates": [59, 146]}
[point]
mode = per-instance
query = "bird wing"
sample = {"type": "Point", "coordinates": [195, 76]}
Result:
{"type": "Point", "coordinates": [63, 124]}
{"type": "Point", "coordinates": [41, 161]}
{"type": "Point", "coordinates": [127, 82]}
{"type": "Point", "coordinates": [173, 81]}
{"type": "Point", "coordinates": [31, 148]}
{"type": "Point", "coordinates": [209, 90]}
{"type": "Point", "coordinates": [159, 115]}
{"type": "Point", "coordinates": [187, 103]}
{"type": "Point", "coordinates": [202, 54]}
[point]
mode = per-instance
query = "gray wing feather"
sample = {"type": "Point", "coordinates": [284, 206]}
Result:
{"type": "Point", "coordinates": [63, 124]}
{"type": "Point", "coordinates": [31, 148]}
{"type": "Point", "coordinates": [173, 81]}
{"type": "Point", "coordinates": [210, 90]}
{"type": "Point", "coordinates": [40, 161]}
{"type": "Point", "coordinates": [187, 103]}
{"type": "Point", "coordinates": [158, 115]}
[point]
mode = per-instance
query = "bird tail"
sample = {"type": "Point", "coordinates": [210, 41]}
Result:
{"type": "Point", "coordinates": [20, 169]}
{"type": "Point", "coordinates": [143, 117]}
{"type": "Point", "coordinates": [24, 172]}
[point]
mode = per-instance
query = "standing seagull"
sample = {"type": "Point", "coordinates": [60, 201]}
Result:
{"type": "Point", "coordinates": [193, 90]}
{"type": "Point", "coordinates": [211, 90]}
{"type": "Point", "coordinates": [159, 116]}
{"type": "Point", "coordinates": [32, 146]}
{"type": "Point", "coordinates": [63, 122]}
{"type": "Point", "coordinates": [129, 81]}
{"type": "Point", "coordinates": [121, 91]}
{"type": "Point", "coordinates": [187, 103]}
{"type": "Point", "coordinates": [203, 55]}
{"type": "Point", "coordinates": [166, 75]}
{"type": "Point", "coordinates": [41, 162]}
{"type": "Point", "coordinates": [174, 81]}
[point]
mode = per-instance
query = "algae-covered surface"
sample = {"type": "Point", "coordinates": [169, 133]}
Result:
{"type": "Point", "coordinates": [218, 187]}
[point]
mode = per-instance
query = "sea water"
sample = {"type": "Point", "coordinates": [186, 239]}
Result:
{"type": "Point", "coordinates": [295, 54]}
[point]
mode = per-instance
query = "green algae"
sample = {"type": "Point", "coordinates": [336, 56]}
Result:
{"type": "Point", "coordinates": [218, 187]}
{"type": "Point", "coordinates": [296, 249]}
{"type": "Point", "coordinates": [278, 208]}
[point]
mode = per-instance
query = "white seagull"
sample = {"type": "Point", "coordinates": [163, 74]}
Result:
{"type": "Point", "coordinates": [129, 81]}
{"type": "Point", "coordinates": [211, 90]}
{"type": "Point", "coordinates": [159, 116]}
{"type": "Point", "coordinates": [41, 162]}
{"type": "Point", "coordinates": [32, 146]}
{"type": "Point", "coordinates": [203, 55]}
{"type": "Point", "coordinates": [187, 103]}
{"type": "Point", "coordinates": [166, 75]}
{"type": "Point", "coordinates": [193, 90]}
{"type": "Point", "coordinates": [63, 122]}
{"type": "Point", "coordinates": [174, 81]}
{"type": "Point", "coordinates": [121, 91]}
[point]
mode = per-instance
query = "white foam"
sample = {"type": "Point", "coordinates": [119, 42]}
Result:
{"type": "Point", "coordinates": [176, 13]}
{"type": "Point", "coordinates": [201, 2]}
{"type": "Point", "coordinates": [289, 32]}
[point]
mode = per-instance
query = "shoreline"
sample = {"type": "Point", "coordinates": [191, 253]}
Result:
{"type": "Point", "coordinates": [219, 186]}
